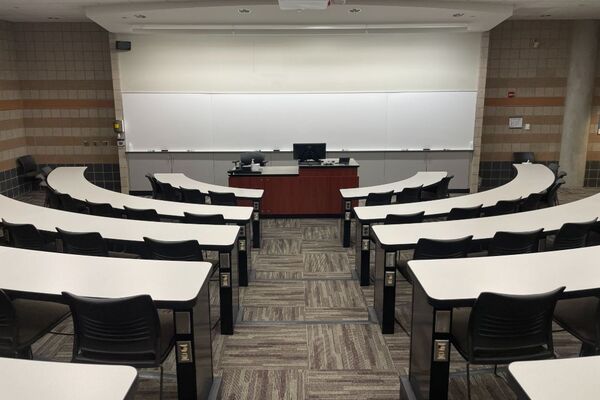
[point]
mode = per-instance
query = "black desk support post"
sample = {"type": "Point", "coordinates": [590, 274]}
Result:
{"type": "Point", "coordinates": [193, 348]}
{"type": "Point", "coordinates": [243, 255]}
{"type": "Point", "coordinates": [256, 221]}
{"type": "Point", "coordinates": [385, 289]}
{"type": "Point", "coordinates": [228, 289]}
{"type": "Point", "coordinates": [362, 254]}
{"type": "Point", "coordinates": [346, 221]}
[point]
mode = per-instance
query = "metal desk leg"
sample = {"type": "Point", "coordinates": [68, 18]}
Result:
{"type": "Point", "coordinates": [429, 348]}
{"type": "Point", "coordinates": [243, 255]}
{"type": "Point", "coordinates": [193, 349]}
{"type": "Point", "coordinates": [228, 290]}
{"type": "Point", "coordinates": [256, 221]}
{"type": "Point", "coordinates": [346, 222]}
{"type": "Point", "coordinates": [385, 289]}
{"type": "Point", "coordinates": [363, 253]}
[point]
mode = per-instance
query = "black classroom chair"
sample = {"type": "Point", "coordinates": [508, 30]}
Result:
{"type": "Point", "coordinates": [502, 207]}
{"type": "Point", "coordinates": [67, 203]}
{"type": "Point", "coordinates": [51, 200]}
{"type": "Point", "coordinates": [458, 213]}
{"type": "Point", "coordinates": [103, 210]}
{"type": "Point", "coordinates": [531, 202]}
{"type": "Point", "coordinates": [192, 196]}
{"type": "Point", "coordinates": [503, 328]}
{"type": "Point", "coordinates": [156, 194]}
{"type": "Point", "coordinates": [581, 318]}
{"type": "Point", "coordinates": [185, 250]}
{"type": "Point", "coordinates": [409, 195]}
{"type": "Point", "coordinates": [379, 199]}
{"type": "Point", "coordinates": [23, 322]}
{"type": "Point", "coordinates": [551, 197]}
{"type": "Point", "coordinates": [26, 236]}
{"type": "Point", "coordinates": [168, 192]}
{"type": "Point", "coordinates": [88, 244]}
{"type": "Point", "coordinates": [141, 214]}
{"type": "Point", "coordinates": [222, 199]}
{"type": "Point", "coordinates": [391, 219]}
{"type": "Point", "coordinates": [505, 243]}
{"type": "Point", "coordinates": [209, 219]}
{"type": "Point", "coordinates": [438, 190]}
{"type": "Point", "coordinates": [572, 235]}
{"type": "Point", "coordinates": [123, 331]}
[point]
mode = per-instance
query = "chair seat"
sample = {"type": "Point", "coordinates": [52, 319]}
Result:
{"type": "Point", "coordinates": [36, 318]}
{"type": "Point", "coordinates": [460, 340]}
{"type": "Point", "coordinates": [578, 317]}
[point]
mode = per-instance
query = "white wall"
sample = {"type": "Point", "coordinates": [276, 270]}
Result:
{"type": "Point", "coordinates": [427, 61]}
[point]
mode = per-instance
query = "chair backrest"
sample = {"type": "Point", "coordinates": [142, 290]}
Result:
{"type": "Point", "coordinates": [142, 215]}
{"type": "Point", "coordinates": [561, 174]}
{"type": "Point", "coordinates": [502, 207]}
{"type": "Point", "coordinates": [222, 199]}
{"type": "Point", "coordinates": [509, 328]}
{"type": "Point", "coordinates": [24, 236]}
{"type": "Point", "coordinates": [8, 325]}
{"type": "Point", "coordinates": [531, 202]}
{"type": "Point", "coordinates": [84, 243]}
{"type": "Point", "coordinates": [102, 210]}
{"type": "Point", "coordinates": [573, 235]}
{"type": "Point", "coordinates": [67, 203]}
{"type": "Point", "coordinates": [553, 167]}
{"type": "Point", "coordinates": [428, 249]}
{"type": "Point", "coordinates": [409, 195]}
{"type": "Point", "coordinates": [52, 199]}
{"type": "Point", "coordinates": [115, 331]}
{"type": "Point", "coordinates": [523, 156]}
{"type": "Point", "coordinates": [442, 187]}
{"type": "Point", "coordinates": [192, 196]}
{"type": "Point", "coordinates": [155, 188]}
{"type": "Point", "coordinates": [185, 250]}
{"type": "Point", "coordinates": [168, 192]}
{"type": "Point", "coordinates": [27, 164]}
{"type": "Point", "coordinates": [552, 194]}
{"type": "Point", "coordinates": [504, 243]}
{"type": "Point", "coordinates": [457, 213]}
{"type": "Point", "coordinates": [391, 219]}
{"type": "Point", "coordinates": [210, 219]}
{"type": "Point", "coordinates": [379, 199]}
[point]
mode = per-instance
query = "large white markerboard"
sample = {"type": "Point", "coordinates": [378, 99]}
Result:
{"type": "Point", "coordinates": [349, 121]}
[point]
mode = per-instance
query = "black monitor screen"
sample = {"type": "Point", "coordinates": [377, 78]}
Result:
{"type": "Point", "coordinates": [310, 151]}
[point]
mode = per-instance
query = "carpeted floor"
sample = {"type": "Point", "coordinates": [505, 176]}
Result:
{"type": "Point", "coordinates": [305, 330]}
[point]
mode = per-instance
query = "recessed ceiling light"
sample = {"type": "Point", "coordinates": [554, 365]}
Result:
{"type": "Point", "coordinates": [354, 10]}
{"type": "Point", "coordinates": [458, 15]}
{"type": "Point", "coordinates": [140, 16]}
{"type": "Point", "coordinates": [244, 11]}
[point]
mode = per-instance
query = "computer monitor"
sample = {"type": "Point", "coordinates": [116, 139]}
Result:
{"type": "Point", "coordinates": [310, 151]}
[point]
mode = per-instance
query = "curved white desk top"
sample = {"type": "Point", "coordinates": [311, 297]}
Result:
{"type": "Point", "coordinates": [71, 181]}
{"type": "Point", "coordinates": [531, 178]}
{"type": "Point", "coordinates": [49, 274]}
{"type": "Point", "coordinates": [35, 380]}
{"type": "Point", "coordinates": [419, 179]}
{"type": "Point", "coordinates": [180, 180]}
{"type": "Point", "coordinates": [551, 219]}
{"type": "Point", "coordinates": [461, 280]}
{"type": "Point", "coordinates": [568, 378]}
{"type": "Point", "coordinates": [47, 219]}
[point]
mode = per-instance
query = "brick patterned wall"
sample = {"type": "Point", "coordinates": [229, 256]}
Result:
{"type": "Point", "coordinates": [56, 97]}
{"type": "Point", "coordinates": [592, 168]}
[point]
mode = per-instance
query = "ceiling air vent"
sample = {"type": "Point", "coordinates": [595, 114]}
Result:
{"type": "Point", "coordinates": [303, 4]}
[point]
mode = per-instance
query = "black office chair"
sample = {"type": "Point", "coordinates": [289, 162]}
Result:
{"type": "Point", "coordinates": [409, 195]}
{"type": "Point", "coordinates": [505, 243]}
{"type": "Point", "coordinates": [531, 202]}
{"type": "Point", "coordinates": [168, 192]}
{"type": "Point", "coordinates": [392, 219]}
{"type": "Point", "coordinates": [83, 243]}
{"type": "Point", "coordinates": [438, 190]}
{"type": "Point", "coordinates": [28, 168]}
{"type": "Point", "coordinates": [457, 213]}
{"type": "Point", "coordinates": [572, 235]}
{"type": "Point", "coordinates": [210, 219]}
{"type": "Point", "coordinates": [502, 207]}
{"type": "Point", "coordinates": [141, 214]}
{"type": "Point", "coordinates": [379, 199]}
{"type": "Point", "coordinates": [186, 250]}
{"type": "Point", "coordinates": [67, 203]}
{"type": "Point", "coordinates": [26, 236]}
{"type": "Point", "coordinates": [192, 196]}
{"type": "Point", "coordinates": [23, 322]}
{"type": "Point", "coordinates": [125, 331]}
{"type": "Point", "coordinates": [103, 210]}
{"type": "Point", "coordinates": [581, 318]}
{"type": "Point", "coordinates": [222, 199]}
{"type": "Point", "coordinates": [551, 197]}
{"type": "Point", "coordinates": [503, 328]}
{"type": "Point", "coordinates": [156, 194]}
{"type": "Point", "coordinates": [51, 199]}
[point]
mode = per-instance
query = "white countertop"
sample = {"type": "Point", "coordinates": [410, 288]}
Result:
{"type": "Point", "coordinates": [569, 378]}
{"type": "Point", "coordinates": [419, 179]}
{"type": "Point", "coordinates": [52, 273]}
{"type": "Point", "coordinates": [454, 280]}
{"type": "Point", "coordinates": [531, 178]}
{"type": "Point", "coordinates": [180, 180]}
{"type": "Point", "coordinates": [48, 219]}
{"type": "Point", "coordinates": [71, 180]}
{"type": "Point", "coordinates": [550, 219]}
{"type": "Point", "coordinates": [36, 380]}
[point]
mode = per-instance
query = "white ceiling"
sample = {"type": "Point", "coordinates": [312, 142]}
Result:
{"type": "Point", "coordinates": [120, 15]}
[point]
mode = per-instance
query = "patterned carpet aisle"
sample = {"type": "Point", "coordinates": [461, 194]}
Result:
{"type": "Point", "coordinates": [305, 331]}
